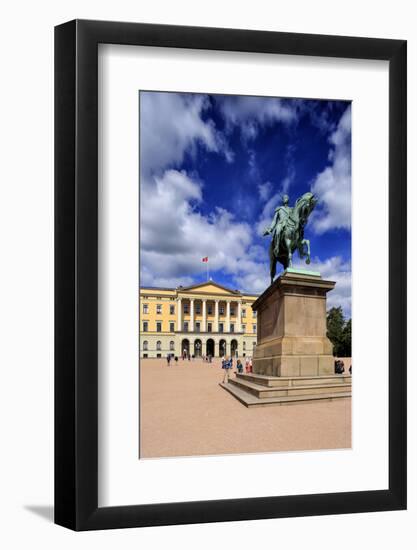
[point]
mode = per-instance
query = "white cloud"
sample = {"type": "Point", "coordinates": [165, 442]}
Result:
{"type": "Point", "coordinates": [170, 125]}
{"type": "Point", "coordinates": [249, 113]}
{"type": "Point", "coordinates": [287, 181]}
{"type": "Point", "coordinates": [333, 184]}
{"type": "Point", "coordinates": [338, 270]}
{"type": "Point", "coordinates": [175, 235]}
{"type": "Point", "coordinates": [264, 190]}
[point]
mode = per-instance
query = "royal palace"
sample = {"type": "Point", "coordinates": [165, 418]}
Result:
{"type": "Point", "coordinates": [203, 319]}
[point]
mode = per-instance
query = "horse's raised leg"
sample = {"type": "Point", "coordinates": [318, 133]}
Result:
{"type": "Point", "coordinates": [306, 242]}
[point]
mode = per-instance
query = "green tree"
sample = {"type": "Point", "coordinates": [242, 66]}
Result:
{"type": "Point", "coordinates": [347, 339]}
{"type": "Point", "coordinates": [339, 332]}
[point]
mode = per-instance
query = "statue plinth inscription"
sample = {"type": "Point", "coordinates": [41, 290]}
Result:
{"type": "Point", "coordinates": [292, 329]}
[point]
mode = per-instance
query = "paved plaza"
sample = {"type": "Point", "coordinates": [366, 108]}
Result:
{"type": "Point", "coordinates": [185, 412]}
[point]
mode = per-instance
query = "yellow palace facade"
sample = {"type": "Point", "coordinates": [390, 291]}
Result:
{"type": "Point", "coordinates": [203, 319]}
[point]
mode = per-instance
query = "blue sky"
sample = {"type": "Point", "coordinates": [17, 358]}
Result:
{"type": "Point", "coordinates": [213, 168]}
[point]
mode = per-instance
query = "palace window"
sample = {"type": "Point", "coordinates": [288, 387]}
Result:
{"type": "Point", "coordinates": [145, 355]}
{"type": "Point", "coordinates": [209, 327]}
{"type": "Point", "coordinates": [232, 327]}
{"type": "Point", "coordinates": [186, 308]}
{"type": "Point", "coordinates": [145, 345]}
{"type": "Point", "coordinates": [243, 328]}
{"type": "Point", "coordinates": [254, 328]}
{"type": "Point", "coordinates": [221, 309]}
{"type": "Point", "coordinates": [254, 313]}
{"type": "Point", "coordinates": [220, 327]}
{"type": "Point", "coordinates": [244, 346]}
{"type": "Point", "coordinates": [171, 345]}
{"type": "Point", "coordinates": [197, 326]}
{"type": "Point", "coordinates": [210, 310]}
{"type": "Point", "coordinates": [171, 327]}
{"type": "Point", "coordinates": [243, 312]}
{"type": "Point", "coordinates": [159, 308]}
{"type": "Point", "coordinates": [171, 309]}
{"type": "Point", "coordinates": [198, 308]}
{"type": "Point", "coordinates": [232, 311]}
{"type": "Point", "coordinates": [158, 345]}
{"type": "Point", "coordinates": [159, 326]}
{"type": "Point", "coordinates": [145, 308]}
{"type": "Point", "coordinates": [185, 327]}
{"type": "Point", "coordinates": [145, 326]}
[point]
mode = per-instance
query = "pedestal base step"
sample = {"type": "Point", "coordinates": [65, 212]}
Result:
{"type": "Point", "coordinates": [274, 381]}
{"type": "Point", "coordinates": [263, 392]}
{"type": "Point", "coordinates": [250, 400]}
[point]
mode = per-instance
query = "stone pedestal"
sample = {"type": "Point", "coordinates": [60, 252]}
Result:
{"type": "Point", "coordinates": [293, 361]}
{"type": "Point", "coordinates": [291, 325]}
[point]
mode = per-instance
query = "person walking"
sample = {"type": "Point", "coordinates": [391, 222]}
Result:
{"type": "Point", "coordinates": [168, 359]}
{"type": "Point", "coordinates": [339, 366]}
{"type": "Point", "coordinates": [239, 366]}
{"type": "Point", "coordinates": [227, 366]}
{"type": "Point", "coordinates": [247, 364]}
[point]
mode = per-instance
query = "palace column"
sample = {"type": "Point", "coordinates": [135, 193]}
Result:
{"type": "Point", "coordinates": [204, 327]}
{"type": "Point", "coordinates": [239, 317]}
{"type": "Point", "coordinates": [191, 314]}
{"type": "Point", "coordinates": [216, 316]}
{"type": "Point", "coordinates": [228, 316]}
{"type": "Point", "coordinates": [179, 314]}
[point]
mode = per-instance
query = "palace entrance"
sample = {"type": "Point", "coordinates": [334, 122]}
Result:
{"type": "Point", "coordinates": [233, 348]}
{"type": "Point", "coordinates": [185, 347]}
{"type": "Point", "coordinates": [210, 347]}
{"type": "Point", "coordinates": [197, 348]}
{"type": "Point", "coordinates": [222, 348]}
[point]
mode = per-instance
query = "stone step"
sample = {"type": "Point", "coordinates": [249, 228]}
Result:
{"type": "Point", "coordinates": [250, 400]}
{"type": "Point", "coordinates": [263, 392]}
{"type": "Point", "coordinates": [274, 381]}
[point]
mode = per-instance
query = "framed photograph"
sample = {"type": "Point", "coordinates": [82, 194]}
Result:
{"type": "Point", "coordinates": [230, 229]}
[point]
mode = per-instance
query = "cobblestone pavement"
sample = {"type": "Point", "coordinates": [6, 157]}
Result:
{"type": "Point", "coordinates": [185, 412]}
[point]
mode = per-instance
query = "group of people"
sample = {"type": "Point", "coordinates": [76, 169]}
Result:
{"type": "Point", "coordinates": [339, 367]}
{"type": "Point", "coordinates": [185, 355]}
{"type": "Point", "coordinates": [227, 365]}
{"type": "Point", "coordinates": [170, 357]}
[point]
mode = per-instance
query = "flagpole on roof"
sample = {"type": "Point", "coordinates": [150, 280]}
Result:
{"type": "Point", "coordinates": [205, 260]}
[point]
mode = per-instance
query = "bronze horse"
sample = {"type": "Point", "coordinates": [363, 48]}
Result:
{"type": "Point", "coordinates": [291, 236]}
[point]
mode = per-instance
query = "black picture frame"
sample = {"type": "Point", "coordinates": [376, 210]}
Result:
{"type": "Point", "coordinates": [76, 272]}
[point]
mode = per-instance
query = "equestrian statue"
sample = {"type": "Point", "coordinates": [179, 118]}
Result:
{"type": "Point", "coordinates": [287, 231]}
